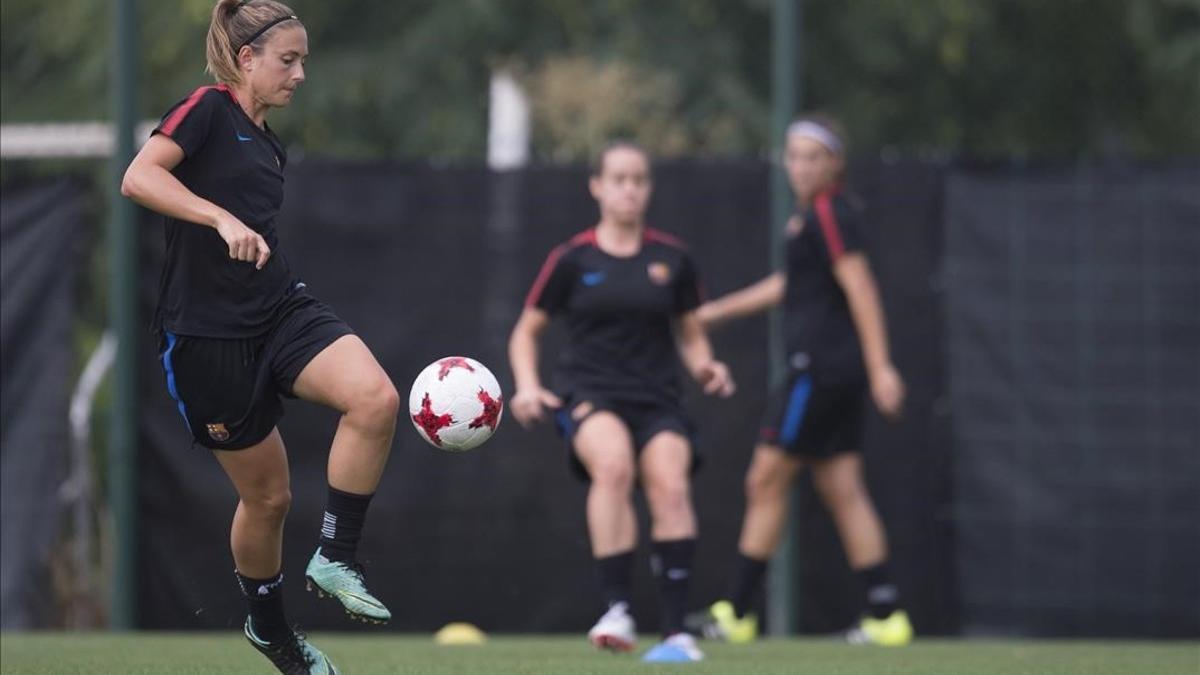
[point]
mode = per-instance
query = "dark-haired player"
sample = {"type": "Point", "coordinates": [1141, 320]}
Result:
{"type": "Point", "coordinates": [628, 295]}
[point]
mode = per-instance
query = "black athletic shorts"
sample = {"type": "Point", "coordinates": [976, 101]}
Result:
{"type": "Point", "coordinates": [229, 391]}
{"type": "Point", "coordinates": [814, 420]}
{"type": "Point", "coordinates": [644, 420]}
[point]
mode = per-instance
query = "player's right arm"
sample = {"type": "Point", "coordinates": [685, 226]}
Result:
{"type": "Point", "coordinates": [751, 300]}
{"type": "Point", "coordinates": [149, 182]}
{"type": "Point", "coordinates": [531, 398]}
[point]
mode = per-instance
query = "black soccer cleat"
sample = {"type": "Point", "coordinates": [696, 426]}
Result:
{"type": "Point", "coordinates": [293, 656]}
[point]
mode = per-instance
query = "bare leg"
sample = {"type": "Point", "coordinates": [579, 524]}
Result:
{"type": "Point", "coordinates": [768, 487]}
{"type": "Point", "coordinates": [665, 463]}
{"type": "Point", "coordinates": [260, 476]}
{"type": "Point", "coordinates": [839, 481]}
{"type": "Point", "coordinates": [605, 447]}
{"type": "Point", "coordinates": [346, 377]}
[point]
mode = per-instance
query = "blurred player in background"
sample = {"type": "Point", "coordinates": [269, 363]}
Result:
{"type": "Point", "coordinates": [837, 349]}
{"type": "Point", "coordinates": [239, 330]}
{"type": "Point", "coordinates": [628, 294]}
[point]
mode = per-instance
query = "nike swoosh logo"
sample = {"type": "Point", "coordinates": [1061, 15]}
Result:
{"type": "Point", "coordinates": [365, 601]}
{"type": "Point", "coordinates": [250, 634]}
{"type": "Point", "coordinates": [593, 278]}
{"type": "Point", "coordinates": [242, 138]}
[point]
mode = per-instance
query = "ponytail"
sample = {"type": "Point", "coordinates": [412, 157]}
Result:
{"type": "Point", "coordinates": [236, 24]}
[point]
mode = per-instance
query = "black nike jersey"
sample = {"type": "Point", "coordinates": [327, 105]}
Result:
{"type": "Point", "coordinates": [820, 336]}
{"type": "Point", "coordinates": [619, 314]}
{"type": "Point", "coordinates": [235, 164]}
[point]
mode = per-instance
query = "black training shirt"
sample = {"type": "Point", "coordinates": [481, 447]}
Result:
{"type": "Point", "coordinates": [619, 314]}
{"type": "Point", "coordinates": [232, 162]}
{"type": "Point", "coordinates": [819, 331]}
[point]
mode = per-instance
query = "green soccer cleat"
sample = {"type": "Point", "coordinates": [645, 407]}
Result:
{"type": "Point", "coordinates": [720, 622]}
{"type": "Point", "coordinates": [894, 631]}
{"type": "Point", "coordinates": [344, 581]}
{"type": "Point", "coordinates": [293, 656]}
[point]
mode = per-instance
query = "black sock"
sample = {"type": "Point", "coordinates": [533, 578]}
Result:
{"type": "Point", "coordinates": [882, 596]}
{"type": "Point", "coordinates": [613, 573]}
{"type": "Point", "coordinates": [671, 562]}
{"type": "Point", "coordinates": [264, 600]}
{"type": "Point", "coordinates": [343, 523]}
{"type": "Point", "coordinates": [750, 573]}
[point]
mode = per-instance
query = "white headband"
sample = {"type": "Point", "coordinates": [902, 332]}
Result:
{"type": "Point", "coordinates": [818, 133]}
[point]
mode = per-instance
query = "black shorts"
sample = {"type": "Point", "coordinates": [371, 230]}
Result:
{"type": "Point", "coordinates": [644, 420]}
{"type": "Point", "coordinates": [229, 391]}
{"type": "Point", "coordinates": [814, 420]}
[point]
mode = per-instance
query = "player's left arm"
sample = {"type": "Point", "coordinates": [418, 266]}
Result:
{"type": "Point", "coordinates": [853, 273]}
{"type": "Point", "coordinates": [697, 355]}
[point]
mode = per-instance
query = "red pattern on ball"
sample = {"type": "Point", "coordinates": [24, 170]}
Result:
{"type": "Point", "coordinates": [491, 411]}
{"type": "Point", "coordinates": [452, 362]}
{"type": "Point", "coordinates": [431, 423]}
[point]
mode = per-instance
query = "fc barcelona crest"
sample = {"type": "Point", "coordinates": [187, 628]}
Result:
{"type": "Point", "coordinates": [218, 432]}
{"type": "Point", "coordinates": [659, 272]}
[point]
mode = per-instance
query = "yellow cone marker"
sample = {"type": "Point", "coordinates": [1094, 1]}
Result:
{"type": "Point", "coordinates": [459, 633]}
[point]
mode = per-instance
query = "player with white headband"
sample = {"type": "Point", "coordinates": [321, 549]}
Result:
{"type": "Point", "coordinates": [837, 348]}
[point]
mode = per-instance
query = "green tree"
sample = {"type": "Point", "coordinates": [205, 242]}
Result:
{"type": "Point", "coordinates": [1011, 77]}
{"type": "Point", "coordinates": [408, 79]}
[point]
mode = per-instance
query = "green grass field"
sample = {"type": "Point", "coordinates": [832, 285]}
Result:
{"type": "Point", "coordinates": [171, 653]}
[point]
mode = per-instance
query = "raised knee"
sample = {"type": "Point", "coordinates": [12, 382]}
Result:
{"type": "Point", "coordinates": [376, 405]}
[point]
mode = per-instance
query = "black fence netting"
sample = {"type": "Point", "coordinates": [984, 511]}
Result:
{"type": "Point", "coordinates": [44, 231]}
{"type": "Point", "coordinates": [1043, 481]}
{"type": "Point", "coordinates": [428, 262]}
{"type": "Point", "coordinates": [1073, 355]}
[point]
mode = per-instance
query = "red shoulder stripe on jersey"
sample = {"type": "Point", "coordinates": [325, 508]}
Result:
{"type": "Point", "coordinates": [829, 226]}
{"type": "Point", "coordinates": [585, 238]}
{"type": "Point", "coordinates": [177, 117]}
{"type": "Point", "coordinates": [225, 88]}
{"type": "Point", "coordinates": [182, 111]}
{"type": "Point", "coordinates": [660, 237]}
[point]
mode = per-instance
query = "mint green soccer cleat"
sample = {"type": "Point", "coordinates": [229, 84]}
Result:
{"type": "Point", "coordinates": [293, 656]}
{"type": "Point", "coordinates": [344, 581]}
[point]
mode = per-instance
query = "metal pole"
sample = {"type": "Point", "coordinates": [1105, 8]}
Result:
{"type": "Point", "coordinates": [79, 489]}
{"type": "Point", "coordinates": [783, 601]}
{"type": "Point", "coordinates": [123, 310]}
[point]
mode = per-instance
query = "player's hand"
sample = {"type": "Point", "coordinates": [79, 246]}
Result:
{"type": "Point", "coordinates": [244, 243]}
{"type": "Point", "coordinates": [714, 377]}
{"type": "Point", "coordinates": [887, 388]}
{"type": "Point", "coordinates": [528, 405]}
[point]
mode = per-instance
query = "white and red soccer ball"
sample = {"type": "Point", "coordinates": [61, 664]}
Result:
{"type": "Point", "coordinates": [455, 403]}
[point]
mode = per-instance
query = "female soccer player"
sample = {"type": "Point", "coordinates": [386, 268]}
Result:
{"type": "Point", "coordinates": [628, 294]}
{"type": "Point", "coordinates": [239, 329]}
{"type": "Point", "coordinates": [837, 348]}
